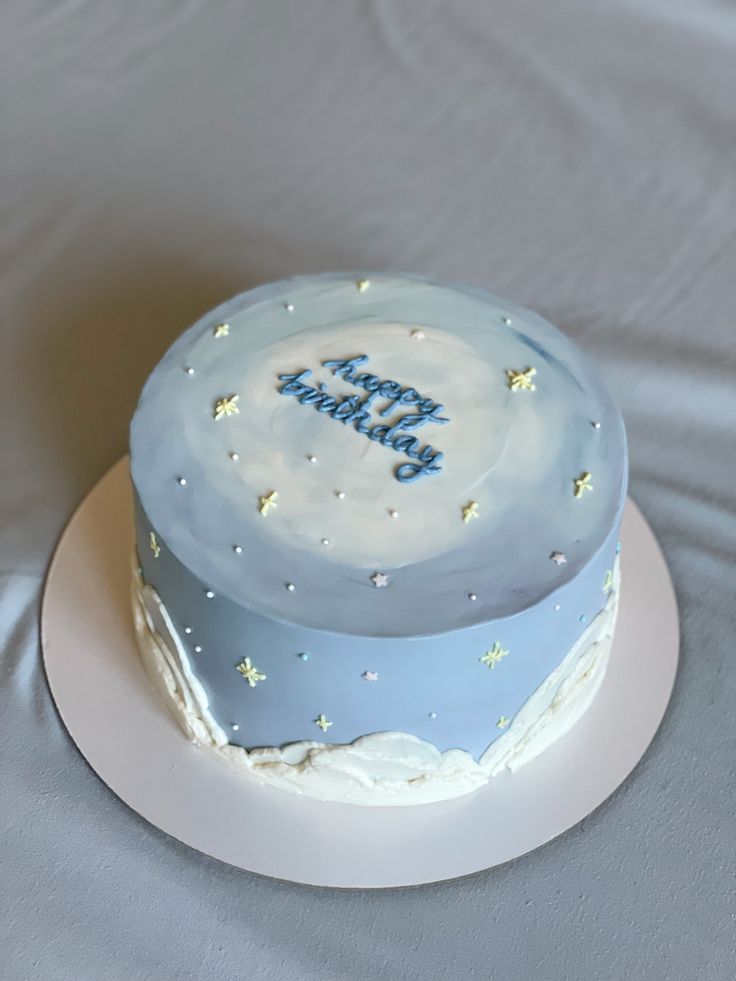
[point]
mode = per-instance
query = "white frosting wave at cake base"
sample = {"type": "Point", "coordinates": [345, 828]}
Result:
{"type": "Point", "coordinates": [383, 768]}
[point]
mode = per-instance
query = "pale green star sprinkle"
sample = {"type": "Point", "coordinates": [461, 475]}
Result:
{"type": "Point", "coordinates": [250, 673]}
{"type": "Point", "coordinates": [493, 657]}
{"type": "Point", "coordinates": [583, 483]}
{"type": "Point", "coordinates": [520, 380]}
{"type": "Point", "coordinates": [323, 722]}
{"type": "Point", "coordinates": [226, 406]}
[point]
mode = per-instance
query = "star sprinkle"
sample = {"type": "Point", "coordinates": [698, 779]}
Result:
{"type": "Point", "coordinates": [370, 675]}
{"type": "Point", "coordinates": [520, 380]}
{"type": "Point", "coordinates": [379, 580]}
{"type": "Point", "coordinates": [362, 285]}
{"type": "Point", "coordinates": [227, 406]}
{"type": "Point", "coordinates": [418, 335]}
{"type": "Point", "coordinates": [470, 511]}
{"type": "Point", "coordinates": [493, 657]}
{"type": "Point", "coordinates": [583, 483]}
{"type": "Point", "coordinates": [267, 501]}
{"type": "Point", "coordinates": [154, 545]}
{"type": "Point", "coordinates": [503, 722]}
{"type": "Point", "coordinates": [559, 558]}
{"type": "Point", "coordinates": [250, 672]}
{"type": "Point", "coordinates": [608, 582]}
{"type": "Point", "coordinates": [323, 722]}
{"type": "Point", "coordinates": [221, 330]}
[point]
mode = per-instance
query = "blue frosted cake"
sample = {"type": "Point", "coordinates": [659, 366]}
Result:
{"type": "Point", "coordinates": [377, 522]}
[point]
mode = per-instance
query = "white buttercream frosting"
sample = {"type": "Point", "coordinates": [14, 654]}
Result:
{"type": "Point", "coordinates": [383, 768]}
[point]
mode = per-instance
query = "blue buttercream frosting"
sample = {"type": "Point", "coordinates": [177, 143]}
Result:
{"type": "Point", "coordinates": [428, 381]}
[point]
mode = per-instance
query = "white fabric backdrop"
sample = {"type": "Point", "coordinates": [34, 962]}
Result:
{"type": "Point", "coordinates": [577, 156]}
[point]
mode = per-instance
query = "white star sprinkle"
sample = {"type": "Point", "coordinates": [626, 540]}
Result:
{"type": "Point", "coordinates": [323, 722]}
{"type": "Point", "coordinates": [370, 675]}
{"type": "Point", "coordinates": [379, 580]}
{"type": "Point", "coordinates": [559, 558]}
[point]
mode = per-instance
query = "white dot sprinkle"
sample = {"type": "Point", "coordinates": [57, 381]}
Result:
{"type": "Point", "coordinates": [290, 586]}
{"type": "Point", "coordinates": [182, 481]}
{"type": "Point", "coordinates": [433, 715]}
{"type": "Point", "coordinates": [235, 726]}
{"type": "Point", "coordinates": [187, 630]}
{"type": "Point", "coordinates": [506, 320]}
{"type": "Point", "coordinates": [189, 371]}
{"type": "Point", "coordinates": [289, 307]}
{"type": "Point", "coordinates": [340, 495]}
{"type": "Point", "coordinates": [472, 597]}
{"type": "Point", "coordinates": [312, 459]}
{"type": "Point", "coordinates": [556, 607]}
{"type": "Point", "coordinates": [596, 425]}
{"type": "Point", "coordinates": [237, 549]}
{"type": "Point", "coordinates": [209, 594]}
{"type": "Point", "coordinates": [325, 541]}
{"type": "Point", "coordinates": [394, 514]}
{"type": "Point", "coordinates": [198, 649]}
{"type": "Point", "coordinates": [234, 457]}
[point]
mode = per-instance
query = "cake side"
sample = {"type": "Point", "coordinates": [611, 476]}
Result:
{"type": "Point", "coordinates": [382, 768]}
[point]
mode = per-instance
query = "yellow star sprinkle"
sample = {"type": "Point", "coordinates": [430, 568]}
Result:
{"type": "Point", "coordinates": [221, 330]}
{"type": "Point", "coordinates": [251, 673]}
{"type": "Point", "coordinates": [227, 406]}
{"type": "Point", "coordinates": [154, 545]}
{"type": "Point", "coordinates": [583, 483]}
{"type": "Point", "coordinates": [503, 723]}
{"type": "Point", "coordinates": [493, 657]}
{"type": "Point", "coordinates": [323, 722]}
{"type": "Point", "coordinates": [267, 502]}
{"type": "Point", "coordinates": [470, 511]}
{"type": "Point", "coordinates": [520, 380]}
{"type": "Point", "coordinates": [363, 285]}
{"type": "Point", "coordinates": [608, 582]}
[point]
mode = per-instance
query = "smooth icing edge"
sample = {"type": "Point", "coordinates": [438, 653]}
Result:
{"type": "Point", "coordinates": [383, 768]}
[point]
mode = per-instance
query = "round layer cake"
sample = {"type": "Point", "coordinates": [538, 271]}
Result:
{"type": "Point", "coordinates": [377, 522]}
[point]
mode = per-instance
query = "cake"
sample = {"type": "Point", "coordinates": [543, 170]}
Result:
{"type": "Point", "coordinates": [377, 525]}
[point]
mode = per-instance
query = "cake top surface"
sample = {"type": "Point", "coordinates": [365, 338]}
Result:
{"type": "Point", "coordinates": [378, 455]}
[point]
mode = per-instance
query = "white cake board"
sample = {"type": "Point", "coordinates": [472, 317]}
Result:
{"type": "Point", "coordinates": [135, 746]}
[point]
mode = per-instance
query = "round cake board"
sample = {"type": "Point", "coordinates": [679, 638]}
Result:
{"type": "Point", "coordinates": [136, 747]}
